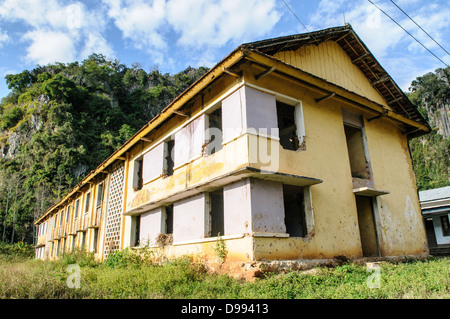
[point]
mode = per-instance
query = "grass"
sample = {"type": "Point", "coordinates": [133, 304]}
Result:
{"type": "Point", "coordinates": [125, 278]}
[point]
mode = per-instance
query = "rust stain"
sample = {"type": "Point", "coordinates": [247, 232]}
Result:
{"type": "Point", "coordinates": [204, 169]}
{"type": "Point", "coordinates": [141, 198]}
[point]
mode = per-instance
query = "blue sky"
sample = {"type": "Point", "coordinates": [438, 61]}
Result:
{"type": "Point", "coordinates": [172, 34]}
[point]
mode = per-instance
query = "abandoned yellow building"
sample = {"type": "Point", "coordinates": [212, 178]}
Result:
{"type": "Point", "coordinates": [293, 148]}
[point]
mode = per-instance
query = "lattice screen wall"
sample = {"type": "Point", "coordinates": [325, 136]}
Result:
{"type": "Point", "coordinates": [114, 212]}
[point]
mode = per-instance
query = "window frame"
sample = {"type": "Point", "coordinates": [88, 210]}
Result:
{"type": "Point", "coordinates": [217, 145]}
{"type": "Point", "coordinates": [76, 208]}
{"type": "Point", "coordinates": [213, 215]}
{"type": "Point", "coordinates": [307, 212]}
{"type": "Point", "coordinates": [299, 122]}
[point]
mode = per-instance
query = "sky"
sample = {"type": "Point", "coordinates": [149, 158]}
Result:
{"type": "Point", "coordinates": [170, 35]}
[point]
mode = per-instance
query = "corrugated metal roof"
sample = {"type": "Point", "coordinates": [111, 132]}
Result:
{"type": "Point", "coordinates": [434, 194]}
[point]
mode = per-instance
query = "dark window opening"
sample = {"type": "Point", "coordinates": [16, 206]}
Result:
{"type": "Point", "coordinates": [216, 213]}
{"type": "Point", "coordinates": [215, 136]}
{"type": "Point", "coordinates": [356, 153]}
{"type": "Point", "coordinates": [138, 167]}
{"type": "Point", "coordinates": [445, 225]}
{"type": "Point", "coordinates": [294, 211]}
{"type": "Point", "coordinates": [88, 201]}
{"type": "Point", "coordinates": [99, 195]}
{"type": "Point", "coordinates": [169, 158]}
{"type": "Point", "coordinates": [83, 240]}
{"type": "Point", "coordinates": [137, 233]}
{"type": "Point", "coordinates": [169, 219]}
{"type": "Point", "coordinates": [95, 240]}
{"type": "Point", "coordinates": [77, 207]}
{"type": "Point", "coordinates": [286, 125]}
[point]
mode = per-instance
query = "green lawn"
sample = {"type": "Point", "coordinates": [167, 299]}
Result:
{"type": "Point", "coordinates": [126, 278]}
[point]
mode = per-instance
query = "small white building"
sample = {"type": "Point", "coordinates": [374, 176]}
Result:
{"type": "Point", "coordinates": [435, 204]}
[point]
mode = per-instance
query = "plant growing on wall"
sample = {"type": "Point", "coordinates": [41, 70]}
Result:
{"type": "Point", "coordinates": [220, 249]}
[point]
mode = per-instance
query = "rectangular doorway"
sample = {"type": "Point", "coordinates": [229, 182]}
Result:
{"type": "Point", "coordinates": [367, 226]}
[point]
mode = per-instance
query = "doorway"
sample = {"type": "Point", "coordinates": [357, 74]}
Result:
{"type": "Point", "coordinates": [367, 226]}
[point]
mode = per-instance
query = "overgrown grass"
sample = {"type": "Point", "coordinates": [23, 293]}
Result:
{"type": "Point", "coordinates": [183, 278]}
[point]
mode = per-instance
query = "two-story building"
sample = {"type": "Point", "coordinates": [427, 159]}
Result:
{"type": "Point", "coordinates": [293, 148]}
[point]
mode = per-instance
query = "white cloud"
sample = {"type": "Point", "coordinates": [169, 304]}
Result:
{"type": "Point", "coordinates": [43, 13]}
{"type": "Point", "coordinates": [215, 23]}
{"type": "Point", "coordinates": [4, 38]}
{"type": "Point", "coordinates": [49, 47]}
{"type": "Point", "coordinates": [58, 29]}
{"type": "Point", "coordinates": [139, 21]}
{"type": "Point", "coordinates": [73, 29]}
{"type": "Point", "coordinates": [96, 43]}
{"type": "Point", "coordinates": [199, 25]}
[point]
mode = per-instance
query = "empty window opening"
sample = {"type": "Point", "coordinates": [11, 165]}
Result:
{"type": "Point", "coordinates": [137, 230]}
{"type": "Point", "coordinates": [287, 127]}
{"type": "Point", "coordinates": [77, 207]}
{"type": "Point", "coordinates": [445, 225]}
{"type": "Point", "coordinates": [138, 174]}
{"type": "Point", "coordinates": [88, 200]}
{"type": "Point", "coordinates": [61, 217]}
{"type": "Point", "coordinates": [169, 219]}
{"type": "Point", "coordinates": [216, 213]}
{"type": "Point", "coordinates": [214, 137]}
{"type": "Point", "coordinates": [355, 144]}
{"type": "Point", "coordinates": [67, 214]}
{"type": "Point", "coordinates": [168, 158]}
{"type": "Point", "coordinates": [95, 240]}
{"type": "Point", "coordinates": [58, 247]}
{"type": "Point", "coordinates": [83, 240]}
{"type": "Point", "coordinates": [294, 211]}
{"type": "Point", "coordinates": [99, 195]}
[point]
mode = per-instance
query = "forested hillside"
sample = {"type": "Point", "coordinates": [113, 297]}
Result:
{"type": "Point", "coordinates": [431, 152]}
{"type": "Point", "coordinates": [62, 120]}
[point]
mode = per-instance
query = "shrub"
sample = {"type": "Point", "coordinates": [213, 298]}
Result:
{"type": "Point", "coordinates": [123, 258]}
{"type": "Point", "coordinates": [19, 249]}
{"type": "Point", "coordinates": [80, 257]}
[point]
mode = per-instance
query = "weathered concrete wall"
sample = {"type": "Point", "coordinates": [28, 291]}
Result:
{"type": "Point", "coordinates": [401, 229]}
